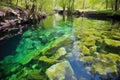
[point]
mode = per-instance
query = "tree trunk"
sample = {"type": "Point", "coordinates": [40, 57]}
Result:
{"type": "Point", "coordinates": [17, 3]}
{"type": "Point", "coordinates": [83, 4]}
{"type": "Point", "coordinates": [106, 4]}
{"type": "Point", "coordinates": [116, 5]}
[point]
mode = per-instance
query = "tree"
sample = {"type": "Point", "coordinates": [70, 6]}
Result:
{"type": "Point", "coordinates": [16, 2]}
{"type": "Point", "coordinates": [106, 4]}
{"type": "Point", "coordinates": [116, 5]}
{"type": "Point", "coordinates": [83, 4]}
{"type": "Point", "coordinates": [70, 7]}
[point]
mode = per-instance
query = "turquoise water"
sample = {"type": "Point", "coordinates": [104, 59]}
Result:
{"type": "Point", "coordinates": [63, 49]}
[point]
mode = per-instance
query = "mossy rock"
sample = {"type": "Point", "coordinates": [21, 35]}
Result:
{"type": "Point", "coordinates": [48, 60]}
{"type": "Point", "coordinates": [60, 53]}
{"type": "Point", "coordinates": [87, 58]}
{"type": "Point", "coordinates": [54, 46]}
{"type": "Point", "coordinates": [27, 73]}
{"type": "Point", "coordinates": [109, 58]}
{"type": "Point", "coordinates": [35, 75]}
{"type": "Point", "coordinates": [85, 50]}
{"type": "Point", "coordinates": [112, 42]}
{"type": "Point", "coordinates": [106, 63]}
{"type": "Point", "coordinates": [103, 68]}
{"type": "Point", "coordinates": [89, 41]}
{"type": "Point", "coordinates": [93, 49]}
{"type": "Point", "coordinates": [92, 32]}
{"type": "Point", "coordinates": [60, 71]}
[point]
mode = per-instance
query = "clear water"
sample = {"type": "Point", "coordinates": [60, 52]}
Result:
{"type": "Point", "coordinates": [63, 49]}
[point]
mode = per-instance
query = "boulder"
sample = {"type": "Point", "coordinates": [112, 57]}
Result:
{"type": "Point", "coordinates": [60, 71]}
{"type": "Point", "coordinates": [60, 52]}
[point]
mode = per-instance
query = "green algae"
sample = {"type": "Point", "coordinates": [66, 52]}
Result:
{"type": "Point", "coordinates": [112, 42]}
{"type": "Point", "coordinates": [40, 47]}
{"type": "Point", "coordinates": [94, 42]}
{"type": "Point", "coordinates": [39, 51]}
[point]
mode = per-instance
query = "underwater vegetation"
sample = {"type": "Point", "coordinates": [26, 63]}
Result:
{"type": "Point", "coordinates": [42, 54]}
{"type": "Point", "coordinates": [38, 49]}
{"type": "Point", "coordinates": [100, 48]}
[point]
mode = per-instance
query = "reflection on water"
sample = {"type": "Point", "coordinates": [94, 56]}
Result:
{"type": "Point", "coordinates": [64, 49]}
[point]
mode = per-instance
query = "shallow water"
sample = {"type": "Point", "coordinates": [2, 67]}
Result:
{"type": "Point", "coordinates": [86, 49]}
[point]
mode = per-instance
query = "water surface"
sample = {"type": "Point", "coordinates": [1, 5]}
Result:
{"type": "Point", "coordinates": [88, 49]}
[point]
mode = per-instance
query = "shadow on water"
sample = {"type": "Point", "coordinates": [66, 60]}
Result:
{"type": "Point", "coordinates": [8, 47]}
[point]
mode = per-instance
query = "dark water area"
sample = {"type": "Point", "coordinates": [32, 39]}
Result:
{"type": "Point", "coordinates": [63, 48]}
{"type": "Point", "coordinates": [8, 47]}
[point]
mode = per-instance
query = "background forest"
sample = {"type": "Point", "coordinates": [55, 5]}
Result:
{"type": "Point", "coordinates": [49, 5]}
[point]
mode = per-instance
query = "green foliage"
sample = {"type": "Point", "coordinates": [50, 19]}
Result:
{"type": "Point", "coordinates": [70, 5]}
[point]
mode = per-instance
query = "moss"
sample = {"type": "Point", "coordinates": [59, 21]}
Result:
{"type": "Point", "coordinates": [60, 52]}
{"type": "Point", "coordinates": [54, 58]}
{"type": "Point", "coordinates": [89, 41]}
{"type": "Point", "coordinates": [112, 42]}
{"type": "Point", "coordinates": [60, 70]}
{"type": "Point", "coordinates": [93, 49]}
{"type": "Point", "coordinates": [85, 50]}
{"type": "Point", "coordinates": [106, 63]}
{"type": "Point", "coordinates": [48, 60]}
{"type": "Point", "coordinates": [113, 57]}
{"type": "Point", "coordinates": [104, 68]}
{"type": "Point", "coordinates": [87, 58]}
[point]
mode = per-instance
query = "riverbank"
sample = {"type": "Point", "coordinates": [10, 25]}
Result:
{"type": "Point", "coordinates": [13, 20]}
{"type": "Point", "coordinates": [94, 14]}
{"type": "Point", "coordinates": [102, 14]}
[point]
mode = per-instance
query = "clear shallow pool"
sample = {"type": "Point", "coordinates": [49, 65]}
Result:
{"type": "Point", "coordinates": [63, 49]}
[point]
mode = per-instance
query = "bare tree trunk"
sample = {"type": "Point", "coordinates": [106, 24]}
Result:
{"type": "Point", "coordinates": [106, 4]}
{"type": "Point", "coordinates": [21, 2]}
{"type": "Point", "coordinates": [27, 5]}
{"type": "Point", "coordinates": [83, 4]}
{"type": "Point", "coordinates": [116, 5]}
{"type": "Point", "coordinates": [16, 2]}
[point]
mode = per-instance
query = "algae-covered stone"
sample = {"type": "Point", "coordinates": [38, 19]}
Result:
{"type": "Point", "coordinates": [85, 50]}
{"type": "Point", "coordinates": [60, 52]}
{"type": "Point", "coordinates": [87, 58]}
{"type": "Point", "coordinates": [103, 68]}
{"type": "Point", "coordinates": [112, 42]}
{"type": "Point", "coordinates": [27, 74]}
{"type": "Point", "coordinates": [53, 46]}
{"type": "Point", "coordinates": [89, 40]}
{"type": "Point", "coordinates": [60, 71]}
{"type": "Point", "coordinates": [48, 60]}
{"type": "Point", "coordinates": [35, 75]}
{"type": "Point", "coordinates": [111, 57]}
{"type": "Point", "coordinates": [106, 63]}
{"type": "Point", "coordinates": [93, 49]}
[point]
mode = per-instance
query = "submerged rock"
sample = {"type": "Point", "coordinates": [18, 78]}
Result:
{"type": "Point", "coordinates": [106, 63]}
{"type": "Point", "coordinates": [85, 50]}
{"type": "Point", "coordinates": [103, 68]}
{"type": "Point", "coordinates": [59, 53]}
{"type": "Point", "coordinates": [112, 42]}
{"type": "Point", "coordinates": [28, 74]}
{"type": "Point", "coordinates": [60, 71]}
{"type": "Point", "coordinates": [87, 59]}
{"type": "Point", "coordinates": [48, 60]}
